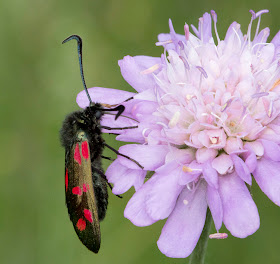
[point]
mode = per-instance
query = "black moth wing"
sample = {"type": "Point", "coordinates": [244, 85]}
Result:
{"type": "Point", "coordinates": [86, 189]}
{"type": "Point", "coordinates": [80, 197]}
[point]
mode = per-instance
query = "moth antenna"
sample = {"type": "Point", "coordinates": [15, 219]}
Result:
{"type": "Point", "coordinates": [79, 42]}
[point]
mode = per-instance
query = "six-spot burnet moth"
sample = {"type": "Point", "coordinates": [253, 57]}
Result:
{"type": "Point", "coordinates": [85, 182]}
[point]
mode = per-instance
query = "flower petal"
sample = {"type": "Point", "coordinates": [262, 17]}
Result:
{"type": "Point", "coordinates": [132, 71]}
{"type": "Point", "coordinates": [124, 178]}
{"type": "Point", "coordinates": [240, 214]}
{"type": "Point", "coordinates": [222, 164]}
{"type": "Point", "coordinates": [103, 95]}
{"type": "Point", "coordinates": [241, 169]}
{"type": "Point", "coordinates": [210, 175]}
{"type": "Point", "coordinates": [183, 227]}
{"type": "Point", "coordinates": [215, 205]}
{"type": "Point", "coordinates": [271, 150]}
{"type": "Point", "coordinates": [268, 178]}
{"type": "Point", "coordinates": [162, 197]}
{"type": "Point", "coordinates": [135, 209]}
{"type": "Point", "coordinates": [150, 157]}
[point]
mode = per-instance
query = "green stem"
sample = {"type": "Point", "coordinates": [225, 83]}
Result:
{"type": "Point", "coordinates": [198, 255]}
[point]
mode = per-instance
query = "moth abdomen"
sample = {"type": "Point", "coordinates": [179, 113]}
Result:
{"type": "Point", "coordinates": [101, 191]}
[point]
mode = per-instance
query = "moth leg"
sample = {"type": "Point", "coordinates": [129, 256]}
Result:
{"type": "Point", "coordinates": [108, 158]}
{"type": "Point", "coordinates": [105, 178]}
{"type": "Point", "coordinates": [118, 128]}
{"type": "Point", "coordinates": [118, 153]}
{"type": "Point", "coordinates": [119, 109]}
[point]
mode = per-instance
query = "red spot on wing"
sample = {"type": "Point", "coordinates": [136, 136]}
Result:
{"type": "Point", "coordinates": [85, 151]}
{"type": "Point", "coordinates": [85, 189]}
{"type": "Point", "coordinates": [77, 155]}
{"type": "Point", "coordinates": [66, 179]}
{"type": "Point", "coordinates": [81, 224]}
{"type": "Point", "coordinates": [77, 190]}
{"type": "Point", "coordinates": [88, 215]}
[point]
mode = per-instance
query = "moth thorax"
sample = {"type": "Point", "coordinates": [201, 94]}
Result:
{"type": "Point", "coordinates": [81, 136]}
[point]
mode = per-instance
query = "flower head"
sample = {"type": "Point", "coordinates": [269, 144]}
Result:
{"type": "Point", "coordinates": [208, 118]}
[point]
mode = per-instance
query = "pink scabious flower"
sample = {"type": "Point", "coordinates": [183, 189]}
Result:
{"type": "Point", "coordinates": [208, 119]}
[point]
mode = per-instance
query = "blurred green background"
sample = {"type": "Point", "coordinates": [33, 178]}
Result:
{"type": "Point", "coordinates": [39, 82]}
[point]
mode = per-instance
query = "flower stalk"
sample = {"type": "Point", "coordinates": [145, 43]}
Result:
{"type": "Point", "coordinates": [198, 255]}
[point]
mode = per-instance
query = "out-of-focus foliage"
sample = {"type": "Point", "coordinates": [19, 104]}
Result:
{"type": "Point", "coordinates": [39, 82]}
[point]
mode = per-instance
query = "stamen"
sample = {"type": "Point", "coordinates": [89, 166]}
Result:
{"type": "Point", "coordinates": [214, 16]}
{"type": "Point", "coordinates": [270, 109]}
{"type": "Point", "coordinates": [181, 45]}
{"type": "Point", "coordinates": [201, 28]}
{"type": "Point", "coordinates": [277, 71]}
{"type": "Point", "coordinates": [187, 66]}
{"type": "Point", "coordinates": [151, 69]}
{"type": "Point", "coordinates": [258, 95]}
{"type": "Point", "coordinates": [187, 31]}
{"type": "Point", "coordinates": [189, 97]}
{"type": "Point", "coordinates": [235, 31]}
{"type": "Point", "coordinates": [277, 83]}
{"type": "Point", "coordinates": [218, 236]}
{"type": "Point", "coordinates": [185, 202]}
{"type": "Point", "coordinates": [196, 32]}
{"type": "Point", "coordinates": [214, 140]}
{"type": "Point", "coordinates": [258, 14]}
{"type": "Point", "coordinates": [174, 120]}
{"type": "Point", "coordinates": [261, 44]}
{"type": "Point", "coordinates": [217, 117]}
{"type": "Point", "coordinates": [253, 14]}
{"type": "Point", "coordinates": [226, 105]}
{"type": "Point", "coordinates": [250, 27]}
{"type": "Point", "coordinates": [162, 43]}
{"type": "Point", "coordinates": [162, 124]}
{"type": "Point", "coordinates": [187, 169]}
{"type": "Point", "coordinates": [144, 131]}
{"type": "Point", "coordinates": [202, 71]}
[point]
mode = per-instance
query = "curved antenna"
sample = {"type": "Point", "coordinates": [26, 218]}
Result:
{"type": "Point", "coordinates": [79, 42]}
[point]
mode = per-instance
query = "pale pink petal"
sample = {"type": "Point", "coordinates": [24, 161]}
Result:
{"type": "Point", "coordinates": [183, 227]}
{"type": "Point", "coordinates": [268, 178]}
{"type": "Point", "coordinates": [241, 169]}
{"type": "Point", "coordinates": [135, 209]}
{"type": "Point", "coordinates": [190, 173]}
{"type": "Point", "coordinates": [132, 71]}
{"type": "Point", "coordinates": [222, 164]}
{"type": "Point", "coordinates": [124, 178]}
{"type": "Point", "coordinates": [271, 150]}
{"type": "Point", "coordinates": [250, 158]}
{"type": "Point", "coordinates": [215, 205]}
{"type": "Point", "coordinates": [150, 157]}
{"type": "Point", "coordinates": [204, 154]}
{"type": "Point", "coordinates": [103, 95]}
{"type": "Point", "coordinates": [162, 197]}
{"type": "Point", "coordinates": [240, 214]}
{"type": "Point", "coordinates": [210, 175]}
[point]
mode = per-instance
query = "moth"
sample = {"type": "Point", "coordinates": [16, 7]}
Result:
{"type": "Point", "coordinates": [85, 182]}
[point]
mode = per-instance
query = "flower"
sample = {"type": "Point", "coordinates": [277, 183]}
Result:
{"type": "Point", "coordinates": [208, 118]}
